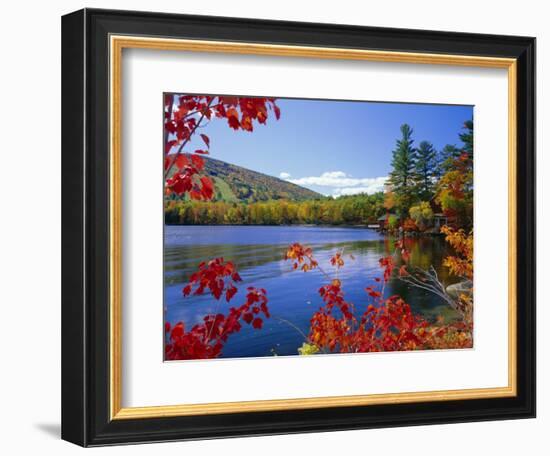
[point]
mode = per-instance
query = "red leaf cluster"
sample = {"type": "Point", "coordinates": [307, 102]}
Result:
{"type": "Point", "coordinates": [301, 257]}
{"type": "Point", "coordinates": [333, 297]}
{"type": "Point", "coordinates": [187, 178]}
{"type": "Point", "coordinates": [207, 339]}
{"type": "Point", "coordinates": [217, 275]}
{"type": "Point", "coordinates": [337, 260]}
{"type": "Point", "coordinates": [385, 325]}
{"type": "Point", "coordinates": [392, 326]}
{"type": "Point", "coordinates": [183, 115]}
{"type": "Point", "coordinates": [387, 265]}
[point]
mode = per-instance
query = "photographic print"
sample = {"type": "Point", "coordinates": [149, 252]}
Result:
{"type": "Point", "coordinates": [312, 227]}
{"type": "Point", "coordinates": [318, 229]}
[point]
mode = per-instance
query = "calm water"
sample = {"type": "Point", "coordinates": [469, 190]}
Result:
{"type": "Point", "coordinates": [258, 254]}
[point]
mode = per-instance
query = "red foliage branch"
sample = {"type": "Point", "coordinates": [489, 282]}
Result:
{"type": "Point", "coordinates": [217, 275]}
{"type": "Point", "coordinates": [183, 115]}
{"type": "Point", "coordinates": [206, 340]}
{"type": "Point", "coordinates": [385, 324]}
{"type": "Point", "coordinates": [337, 260]}
{"type": "Point", "coordinates": [301, 257]}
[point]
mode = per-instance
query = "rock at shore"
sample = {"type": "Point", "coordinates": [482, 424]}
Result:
{"type": "Point", "coordinates": [456, 289]}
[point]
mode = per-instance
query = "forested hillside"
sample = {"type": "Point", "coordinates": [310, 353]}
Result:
{"type": "Point", "coordinates": [234, 184]}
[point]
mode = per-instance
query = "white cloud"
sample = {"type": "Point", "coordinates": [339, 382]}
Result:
{"type": "Point", "coordinates": [334, 174]}
{"type": "Point", "coordinates": [370, 189]}
{"type": "Point", "coordinates": [343, 183]}
{"type": "Point", "coordinates": [284, 175]}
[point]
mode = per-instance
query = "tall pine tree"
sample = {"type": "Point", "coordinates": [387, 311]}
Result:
{"type": "Point", "coordinates": [403, 177]}
{"type": "Point", "coordinates": [468, 138]}
{"type": "Point", "coordinates": [426, 170]}
{"type": "Point", "coordinates": [446, 158]}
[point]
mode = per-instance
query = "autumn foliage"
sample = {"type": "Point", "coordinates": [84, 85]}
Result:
{"type": "Point", "coordinates": [461, 264]}
{"type": "Point", "coordinates": [206, 340]}
{"type": "Point", "coordinates": [378, 323]}
{"type": "Point", "coordinates": [217, 275]}
{"type": "Point", "coordinates": [301, 257]}
{"type": "Point", "coordinates": [183, 115]}
{"type": "Point", "coordinates": [455, 190]}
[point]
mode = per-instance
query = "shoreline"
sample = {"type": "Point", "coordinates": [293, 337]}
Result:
{"type": "Point", "coordinates": [298, 225]}
{"type": "Point", "coordinates": [305, 225]}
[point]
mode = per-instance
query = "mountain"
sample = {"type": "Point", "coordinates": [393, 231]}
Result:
{"type": "Point", "coordinates": [237, 184]}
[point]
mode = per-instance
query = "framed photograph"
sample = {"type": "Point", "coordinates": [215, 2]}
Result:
{"type": "Point", "coordinates": [279, 227]}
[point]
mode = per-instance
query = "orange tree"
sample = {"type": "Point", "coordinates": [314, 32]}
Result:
{"type": "Point", "coordinates": [462, 265]}
{"type": "Point", "coordinates": [454, 190]}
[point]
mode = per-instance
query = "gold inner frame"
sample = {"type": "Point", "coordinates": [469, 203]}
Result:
{"type": "Point", "coordinates": [117, 44]}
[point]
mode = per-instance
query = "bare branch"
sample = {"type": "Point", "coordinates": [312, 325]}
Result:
{"type": "Point", "coordinates": [429, 281]}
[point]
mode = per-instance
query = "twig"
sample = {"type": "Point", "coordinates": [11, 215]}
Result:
{"type": "Point", "coordinates": [310, 257]}
{"type": "Point", "coordinates": [170, 110]}
{"type": "Point", "coordinates": [430, 284]}
{"type": "Point", "coordinates": [293, 326]}
{"type": "Point", "coordinates": [184, 143]}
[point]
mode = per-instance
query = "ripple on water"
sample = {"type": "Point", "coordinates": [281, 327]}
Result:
{"type": "Point", "coordinates": [293, 295]}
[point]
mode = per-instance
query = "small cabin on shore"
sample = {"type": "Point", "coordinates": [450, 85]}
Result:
{"type": "Point", "coordinates": [440, 219]}
{"type": "Point", "coordinates": [383, 221]}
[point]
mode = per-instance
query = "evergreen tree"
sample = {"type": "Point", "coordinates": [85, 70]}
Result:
{"type": "Point", "coordinates": [426, 170]}
{"type": "Point", "coordinates": [403, 177]}
{"type": "Point", "coordinates": [468, 138]}
{"type": "Point", "coordinates": [447, 156]}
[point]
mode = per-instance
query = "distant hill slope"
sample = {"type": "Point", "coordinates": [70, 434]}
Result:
{"type": "Point", "coordinates": [237, 184]}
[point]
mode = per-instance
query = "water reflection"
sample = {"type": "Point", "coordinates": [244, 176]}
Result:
{"type": "Point", "coordinates": [258, 253]}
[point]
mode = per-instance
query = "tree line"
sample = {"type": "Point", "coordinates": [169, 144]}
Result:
{"type": "Point", "coordinates": [423, 178]}
{"type": "Point", "coordinates": [345, 210]}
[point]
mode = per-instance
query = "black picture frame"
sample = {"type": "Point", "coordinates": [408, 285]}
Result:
{"type": "Point", "coordinates": [85, 227]}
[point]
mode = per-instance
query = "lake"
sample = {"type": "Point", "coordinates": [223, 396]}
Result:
{"type": "Point", "coordinates": [258, 253]}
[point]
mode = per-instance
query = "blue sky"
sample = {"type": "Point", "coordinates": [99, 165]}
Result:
{"type": "Point", "coordinates": [333, 147]}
